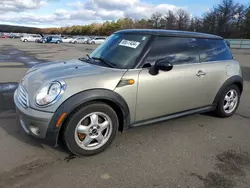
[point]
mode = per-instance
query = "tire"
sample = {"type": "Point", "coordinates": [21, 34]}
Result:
{"type": "Point", "coordinates": [75, 42]}
{"type": "Point", "coordinates": [58, 42]}
{"type": "Point", "coordinates": [25, 40]}
{"type": "Point", "coordinates": [93, 42]}
{"type": "Point", "coordinates": [82, 116]}
{"type": "Point", "coordinates": [220, 110]}
{"type": "Point", "coordinates": [44, 42]}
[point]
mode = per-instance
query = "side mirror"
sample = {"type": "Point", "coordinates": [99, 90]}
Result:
{"type": "Point", "coordinates": [161, 64]}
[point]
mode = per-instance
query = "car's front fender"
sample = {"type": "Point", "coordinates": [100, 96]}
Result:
{"type": "Point", "coordinates": [79, 99]}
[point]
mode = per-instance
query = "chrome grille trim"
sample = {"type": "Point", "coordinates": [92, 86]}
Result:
{"type": "Point", "coordinates": [23, 96]}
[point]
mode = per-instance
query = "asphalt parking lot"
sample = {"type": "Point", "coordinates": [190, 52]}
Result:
{"type": "Point", "coordinates": [198, 151]}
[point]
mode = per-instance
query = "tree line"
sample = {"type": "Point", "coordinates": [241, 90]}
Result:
{"type": "Point", "coordinates": [18, 29]}
{"type": "Point", "coordinates": [228, 19]}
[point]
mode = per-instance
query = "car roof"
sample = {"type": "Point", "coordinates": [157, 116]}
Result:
{"type": "Point", "coordinates": [175, 33]}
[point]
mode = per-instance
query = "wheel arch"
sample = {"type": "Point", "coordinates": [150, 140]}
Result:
{"type": "Point", "coordinates": [234, 80]}
{"type": "Point", "coordinates": [78, 100]}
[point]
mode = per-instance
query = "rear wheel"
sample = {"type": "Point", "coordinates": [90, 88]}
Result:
{"type": "Point", "coordinates": [92, 42]}
{"type": "Point", "coordinates": [228, 102]}
{"type": "Point", "coordinates": [75, 42]}
{"type": "Point", "coordinates": [91, 129]}
{"type": "Point", "coordinates": [25, 40]}
{"type": "Point", "coordinates": [58, 42]}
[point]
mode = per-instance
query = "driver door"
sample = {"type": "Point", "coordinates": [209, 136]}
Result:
{"type": "Point", "coordinates": [173, 91]}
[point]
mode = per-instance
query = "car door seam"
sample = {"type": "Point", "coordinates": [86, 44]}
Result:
{"type": "Point", "coordinates": [136, 99]}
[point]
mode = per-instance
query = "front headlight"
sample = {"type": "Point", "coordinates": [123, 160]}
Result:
{"type": "Point", "coordinates": [50, 93]}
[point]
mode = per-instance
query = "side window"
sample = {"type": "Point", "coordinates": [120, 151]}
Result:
{"type": "Point", "coordinates": [213, 50]}
{"type": "Point", "coordinates": [175, 49]}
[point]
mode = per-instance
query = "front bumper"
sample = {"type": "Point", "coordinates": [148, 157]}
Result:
{"type": "Point", "coordinates": [34, 122]}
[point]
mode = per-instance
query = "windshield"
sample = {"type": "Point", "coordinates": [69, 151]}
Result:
{"type": "Point", "coordinates": [121, 50]}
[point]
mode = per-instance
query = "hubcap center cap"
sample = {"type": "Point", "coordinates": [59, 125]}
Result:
{"type": "Point", "coordinates": [94, 131]}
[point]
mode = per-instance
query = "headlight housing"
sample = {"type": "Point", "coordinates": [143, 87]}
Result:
{"type": "Point", "coordinates": [50, 93]}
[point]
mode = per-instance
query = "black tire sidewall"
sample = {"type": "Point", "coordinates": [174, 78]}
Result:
{"type": "Point", "coordinates": [70, 126]}
{"type": "Point", "coordinates": [220, 110]}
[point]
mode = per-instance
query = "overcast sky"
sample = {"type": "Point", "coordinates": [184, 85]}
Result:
{"type": "Point", "coordinates": [49, 13]}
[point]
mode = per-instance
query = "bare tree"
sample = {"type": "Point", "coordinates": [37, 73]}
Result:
{"type": "Point", "coordinates": [141, 23]}
{"type": "Point", "coordinates": [225, 11]}
{"type": "Point", "coordinates": [210, 22]}
{"type": "Point", "coordinates": [170, 20]}
{"type": "Point", "coordinates": [198, 24]}
{"type": "Point", "coordinates": [162, 24]}
{"type": "Point", "coordinates": [155, 18]}
{"type": "Point", "coordinates": [182, 19]}
{"type": "Point", "coordinates": [247, 24]}
{"type": "Point", "coordinates": [237, 26]}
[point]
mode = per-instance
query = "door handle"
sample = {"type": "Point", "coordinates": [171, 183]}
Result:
{"type": "Point", "coordinates": [200, 73]}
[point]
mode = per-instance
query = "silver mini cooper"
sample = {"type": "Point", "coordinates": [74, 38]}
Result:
{"type": "Point", "coordinates": [136, 77]}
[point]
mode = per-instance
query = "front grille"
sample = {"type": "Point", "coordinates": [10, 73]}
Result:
{"type": "Point", "coordinates": [23, 96]}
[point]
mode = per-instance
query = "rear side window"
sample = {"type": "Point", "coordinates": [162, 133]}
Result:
{"type": "Point", "coordinates": [213, 50]}
{"type": "Point", "coordinates": [174, 49]}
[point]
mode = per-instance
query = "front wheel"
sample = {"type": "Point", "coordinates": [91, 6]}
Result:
{"type": "Point", "coordinates": [91, 129]}
{"type": "Point", "coordinates": [228, 102]}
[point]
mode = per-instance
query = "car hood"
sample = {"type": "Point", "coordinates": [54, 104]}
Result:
{"type": "Point", "coordinates": [77, 75]}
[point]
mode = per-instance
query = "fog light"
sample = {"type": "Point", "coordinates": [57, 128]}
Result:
{"type": "Point", "coordinates": [35, 130]}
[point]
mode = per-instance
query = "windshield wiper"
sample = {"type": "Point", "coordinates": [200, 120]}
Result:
{"type": "Point", "coordinates": [84, 59]}
{"type": "Point", "coordinates": [104, 61]}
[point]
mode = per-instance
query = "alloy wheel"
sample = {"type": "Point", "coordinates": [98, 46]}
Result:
{"type": "Point", "coordinates": [230, 101]}
{"type": "Point", "coordinates": [93, 131]}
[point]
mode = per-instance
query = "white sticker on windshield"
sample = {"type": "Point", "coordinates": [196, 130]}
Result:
{"type": "Point", "coordinates": [130, 44]}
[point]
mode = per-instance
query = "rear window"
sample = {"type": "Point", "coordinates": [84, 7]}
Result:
{"type": "Point", "coordinates": [213, 50]}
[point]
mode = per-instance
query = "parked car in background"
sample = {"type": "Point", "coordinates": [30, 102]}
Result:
{"type": "Point", "coordinates": [67, 39]}
{"type": "Point", "coordinates": [50, 39]}
{"type": "Point", "coordinates": [137, 77]}
{"type": "Point", "coordinates": [80, 40]}
{"type": "Point", "coordinates": [31, 38]}
{"type": "Point", "coordinates": [97, 40]}
{"type": "Point", "coordinates": [13, 35]}
{"type": "Point", "coordinates": [4, 36]}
